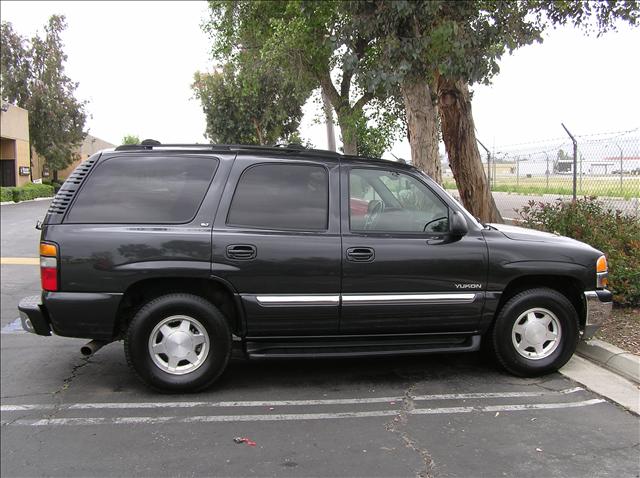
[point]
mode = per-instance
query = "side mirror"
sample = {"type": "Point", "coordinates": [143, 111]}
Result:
{"type": "Point", "coordinates": [459, 226]}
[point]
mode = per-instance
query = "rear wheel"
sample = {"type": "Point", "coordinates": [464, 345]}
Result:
{"type": "Point", "coordinates": [536, 332]}
{"type": "Point", "coordinates": [178, 343]}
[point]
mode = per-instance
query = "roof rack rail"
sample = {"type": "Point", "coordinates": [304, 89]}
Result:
{"type": "Point", "coordinates": [148, 144]}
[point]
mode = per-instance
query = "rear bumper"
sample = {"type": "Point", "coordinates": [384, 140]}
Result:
{"type": "Point", "coordinates": [599, 305]}
{"type": "Point", "coordinates": [71, 314]}
{"type": "Point", "coordinates": [33, 316]}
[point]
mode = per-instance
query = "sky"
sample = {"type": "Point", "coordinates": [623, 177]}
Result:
{"type": "Point", "coordinates": [135, 63]}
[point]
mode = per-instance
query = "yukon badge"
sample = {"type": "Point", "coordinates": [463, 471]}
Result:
{"type": "Point", "coordinates": [468, 286]}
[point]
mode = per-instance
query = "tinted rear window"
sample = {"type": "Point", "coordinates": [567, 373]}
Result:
{"type": "Point", "coordinates": [281, 196]}
{"type": "Point", "coordinates": [144, 190]}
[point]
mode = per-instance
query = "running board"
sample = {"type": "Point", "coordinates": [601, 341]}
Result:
{"type": "Point", "coordinates": [361, 348]}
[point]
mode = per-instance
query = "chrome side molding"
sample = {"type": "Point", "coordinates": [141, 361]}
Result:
{"type": "Point", "coordinates": [283, 300]}
{"type": "Point", "coordinates": [334, 299]}
{"type": "Point", "coordinates": [426, 298]}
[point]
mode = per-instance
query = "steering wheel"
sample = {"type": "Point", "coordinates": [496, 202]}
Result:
{"type": "Point", "coordinates": [424, 229]}
{"type": "Point", "coordinates": [375, 208]}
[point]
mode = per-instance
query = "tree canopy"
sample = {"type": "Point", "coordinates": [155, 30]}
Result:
{"type": "Point", "coordinates": [250, 103]}
{"type": "Point", "coordinates": [33, 77]}
{"type": "Point", "coordinates": [130, 139]}
{"type": "Point", "coordinates": [308, 40]}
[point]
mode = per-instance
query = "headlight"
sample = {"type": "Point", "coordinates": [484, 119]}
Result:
{"type": "Point", "coordinates": [602, 273]}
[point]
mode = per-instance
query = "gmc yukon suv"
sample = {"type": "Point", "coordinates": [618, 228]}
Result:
{"type": "Point", "coordinates": [187, 252]}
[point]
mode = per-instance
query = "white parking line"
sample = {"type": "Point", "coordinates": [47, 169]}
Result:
{"type": "Point", "coordinates": [283, 403]}
{"type": "Point", "coordinates": [540, 406]}
{"type": "Point", "coordinates": [507, 408]}
{"type": "Point", "coordinates": [293, 416]}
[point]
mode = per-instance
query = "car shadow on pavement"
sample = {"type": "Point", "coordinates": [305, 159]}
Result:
{"type": "Point", "coordinates": [356, 373]}
{"type": "Point", "coordinates": [72, 377]}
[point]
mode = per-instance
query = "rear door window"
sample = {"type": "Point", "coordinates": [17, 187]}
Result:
{"type": "Point", "coordinates": [282, 197]}
{"type": "Point", "coordinates": [142, 190]}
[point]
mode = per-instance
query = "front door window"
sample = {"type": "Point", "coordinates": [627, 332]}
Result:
{"type": "Point", "coordinates": [394, 202]}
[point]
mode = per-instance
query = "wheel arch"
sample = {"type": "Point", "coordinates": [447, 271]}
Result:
{"type": "Point", "coordinates": [214, 289]}
{"type": "Point", "coordinates": [568, 286]}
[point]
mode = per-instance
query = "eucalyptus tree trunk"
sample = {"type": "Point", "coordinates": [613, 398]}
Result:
{"type": "Point", "coordinates": [458, 133]}
{"type": "Point", "coordinates": [422, 127]}
{"type": "Point", "coordinates": [348, 130]}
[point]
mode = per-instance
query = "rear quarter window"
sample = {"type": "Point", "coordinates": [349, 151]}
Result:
{"type": "Point", "coordinates": [139, 189]}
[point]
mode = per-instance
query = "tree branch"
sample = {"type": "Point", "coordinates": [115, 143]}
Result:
{"type": "Point", "coordinates": [364, 99]}
{"type": "Point", "coordinates": [345, 85]}
{"type": "Point", "coordinates": [359, 48]}
{"type": "Point", "coordinates": [327, 86]}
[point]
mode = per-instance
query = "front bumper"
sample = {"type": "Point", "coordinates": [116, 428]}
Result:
{"type": "Point", "coordinates": [33, 316]}
{"type": "Point", "coordinates": [599, 305]}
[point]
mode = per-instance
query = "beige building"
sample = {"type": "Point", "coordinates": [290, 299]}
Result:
{"type": "Point", "coordinates": [15, 167]}
{"type": "Point", "coordinates": [18, 167]}
{"type": "Point", "coordinates": [89, 146]}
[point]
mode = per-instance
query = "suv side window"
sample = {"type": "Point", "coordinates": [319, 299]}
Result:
{"type": "Point", "coordinates": [281, 196]}
{"type": "Point", "coordinates": [144, 190]}
{"type": "Point", "coordinates": [390, 201]}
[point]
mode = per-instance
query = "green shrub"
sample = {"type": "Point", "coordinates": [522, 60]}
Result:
{"type": "Point", "coordinates": [55, 184]}
{"type": "Point", "coordinates": [6, 194]}
{"type": "Point", "coordinates": [612, 232]}
{"type": "Point", "coordinates": [32, 191]}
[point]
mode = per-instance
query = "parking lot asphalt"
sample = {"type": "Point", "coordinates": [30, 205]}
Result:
{"type": "Point", "coordinates": [439, 415]}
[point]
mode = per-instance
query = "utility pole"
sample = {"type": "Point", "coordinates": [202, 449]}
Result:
{"type": "Point", "coordinates": [328, 114]}
{"type": "Point", "coordinates": [575, 162]}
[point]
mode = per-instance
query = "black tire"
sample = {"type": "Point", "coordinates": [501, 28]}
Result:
{"type": "Point", "coordinates": [501, 334]}
{"type": "Point", "coordinates": [136, 343]}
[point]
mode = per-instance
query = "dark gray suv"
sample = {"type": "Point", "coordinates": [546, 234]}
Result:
{"type": "Point", "coordinates": [187, 252]}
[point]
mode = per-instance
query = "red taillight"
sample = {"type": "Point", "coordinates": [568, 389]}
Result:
{"type": "Point", "coordinates": [49, 278]}
{"type": "Point", "coordinates": [49, 267]}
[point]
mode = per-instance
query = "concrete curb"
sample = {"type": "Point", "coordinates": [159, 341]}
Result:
{"type": "Point", "coordinates": [615, 359]}
{"type": "Point", "coordinates": [6, 203]}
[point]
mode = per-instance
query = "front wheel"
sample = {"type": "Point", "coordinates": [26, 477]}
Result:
{"type": "Point", "coordinates": [536, 332]}
{"type": "Point", "coordinates": [178, 343]}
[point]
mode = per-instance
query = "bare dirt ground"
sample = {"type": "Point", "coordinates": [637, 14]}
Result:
{"type": "Point", "coordinates": [623, 330]}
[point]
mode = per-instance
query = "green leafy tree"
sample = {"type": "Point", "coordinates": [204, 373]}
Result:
{"type": "Point", "coordinates": [249, 103]}
{"type": "Point", "coordinates": [33, 77]}
{"type": "Point", "coordinates": [380, 127]}
{"type": "Point", "coordinates": [130, 139]}
{"type": "Point", "coordinates": [309, 41]}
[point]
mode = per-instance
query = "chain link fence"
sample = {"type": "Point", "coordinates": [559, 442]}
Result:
{"type": "Point", "coordinates": [606, 166]}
